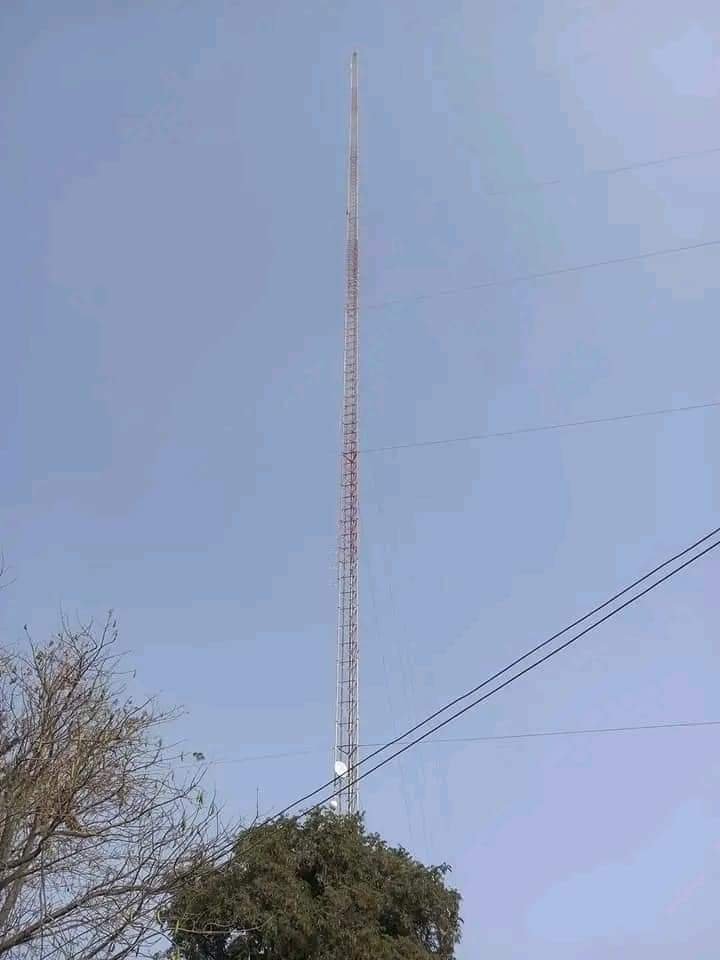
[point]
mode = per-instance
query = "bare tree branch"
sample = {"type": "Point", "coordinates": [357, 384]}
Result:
{"type": "Point", "coordinates": [95, 827]}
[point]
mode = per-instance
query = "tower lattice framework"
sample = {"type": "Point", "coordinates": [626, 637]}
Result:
{"type": "Point", "coordinates": [347, 719]}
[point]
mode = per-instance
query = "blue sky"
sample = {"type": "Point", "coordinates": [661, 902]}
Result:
{"type": "Point", "coordinates": [172, 268]}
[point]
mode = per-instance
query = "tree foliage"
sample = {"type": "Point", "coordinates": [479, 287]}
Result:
{"type": "Point", "coordinates": [94, 826]}
{"type": "Point", "coordinates": [320, 889]}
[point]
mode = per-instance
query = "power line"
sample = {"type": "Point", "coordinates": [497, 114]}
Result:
{"type": "Point", "coordinates": [523, 278]}
{"type": "Point", "coordinates": [448, 706]}
{"type": "Point", "coordinates": [678, 724]}
{"type": "Point", "coordinates": [528, 735]}
{"type": "Point", "coordinates": [533, 666]}
{"type": "Point", "coordinates": [444, 441]}
{"type": "Point", "coordinates": [601, 172]}
{"type": "Point", "coordinates": [555, 636]}
{"type": "Point", "coordinates": [409, 744]}
{"type": "Point", "coordinates": [250, 758]}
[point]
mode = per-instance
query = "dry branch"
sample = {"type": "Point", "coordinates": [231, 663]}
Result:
{"type": "Point", "coordinates": [96, 826]}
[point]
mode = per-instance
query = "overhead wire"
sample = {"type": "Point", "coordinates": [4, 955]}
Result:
{"type": "Point", "coordinates": [408, 744]}
{"type": "Point", "coordinates": [542, 275]}
{"type": "Point", "coordinates": [533, 734]}
{"type": "Point", "coordinates": [538, 647]}
{"type": "Point", "coordinates": [489, 738]}
{"type": "Point", "coordinates": [542, 428]}
{"type": "Point", "coordinates": [532, 185]}
{"type": "Point", "coordinates": [443, 723]}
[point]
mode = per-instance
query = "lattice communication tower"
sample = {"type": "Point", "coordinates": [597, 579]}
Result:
{"type": "Point", "coordinates": [346, 718]}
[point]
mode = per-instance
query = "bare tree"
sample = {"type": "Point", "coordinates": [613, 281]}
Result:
{"type": "Point", "coordinates": [96, 825]}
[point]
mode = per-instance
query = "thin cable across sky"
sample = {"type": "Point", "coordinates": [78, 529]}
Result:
{"type": "Point", "coordinates": [403, 737]}
{"type": "Point", "coordinates": [564, 425]}
{"type": "Point", "coordinates": [408, 744]}
{"type": "Point", "coordinates": [542, 275]}
{"type": "Point", "coordinates": [489, 738]}
{"type": "Point", "coordinates": [533, 185]}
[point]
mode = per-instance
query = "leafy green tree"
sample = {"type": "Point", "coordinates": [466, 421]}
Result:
{"type": "Point", "coordinates": [320, 889]}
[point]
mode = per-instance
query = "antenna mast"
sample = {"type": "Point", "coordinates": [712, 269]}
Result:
{"type": "Point", "coordinates": [346, 721]}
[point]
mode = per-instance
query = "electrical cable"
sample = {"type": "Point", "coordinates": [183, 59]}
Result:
{"type": "Point", "coordinates": [532, 185]}
{"type": "Point", "coordinates": [452, 703]}
{"type": "Point", "coordinates": [560, 271]}
{"type": "Point", "coordinates": [408, 745]}
{"type": "Point", "coordinates": [505, 683]}
{"type": "Point", "coordinates": [532, 734]}
{"type": "Point", "coordinates": [444, 441]}
{"type": "Point", "coordinates": [634, 728]}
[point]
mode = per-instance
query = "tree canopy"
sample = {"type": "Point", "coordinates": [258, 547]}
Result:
{"type": "Point", "coordinates": [318, 889]}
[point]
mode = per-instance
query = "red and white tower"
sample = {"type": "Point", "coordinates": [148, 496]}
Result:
{"type": "Point", "coordinates": [346, 720]}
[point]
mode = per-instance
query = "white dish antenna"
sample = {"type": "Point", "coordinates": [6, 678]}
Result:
{"type": "Point", "coordinates": [340, 768]}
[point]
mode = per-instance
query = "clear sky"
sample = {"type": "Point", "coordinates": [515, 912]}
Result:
{"type": "Point", "coordinates": [172, 200]}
